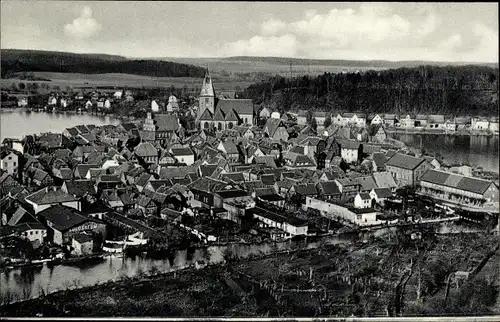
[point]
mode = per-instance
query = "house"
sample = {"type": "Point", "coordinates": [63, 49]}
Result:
{"type": "Point", "coordinates": [494, 125]}
{"type": "Point", "coordinates": [276, 130]}
{"type": "Point", "coordinates": [377, 120]}
{"type": "Point", "coordinates": [66, 222]}
{"type": "Point", "coordinates": [22, 102]}
{"type": "Point", "coordinates": [480, 123]}
{"type": "Point", "coordinates": [82, 244]}
{"type": "Point", "coordinates": [328, 190]}
{"type": "Point", "coordinates": [407, 121]}
{"type": "Point", "coordinates": [40, 178]}
{"type": "Point", "coordinates": [49, 196]}
{"type": "Point", "coordinates": [433, 162]}
{"type": "Point", "coordinates": [385, 180]}
{"type": "Point", "coordinates": [155, 108]}
{"type": "Point", "coordinates": [230, 150]}
{"type": "Point", "coordinates": [183, 155]}
{"type": "Point", "coordinates": [298, 161]}
{"type": "Point", "coordinates": [435, 122]}
{"type": "Point", "coordinates": [458, 187]}
{"type": "Point", "coordinates": [146, 152]}
{"type": "Point", "coordinates": [406, 169]}
{"type": "Point", "coordinates": [380, 195]}
{"type": "Point", "coordinates": [421, 121]}
{"type": "Point", "coordinates": [378, 161]}
{"type": "Point", "coordinates": [353, 119]}
{"type": "Point", "coordinates": [450, 126]}
{"type": "Point", "coordinates": [347, 187]}
{"type": "Point", "coordinates": [265, 113]}
{"type": "Point", "coordinates": [362, 200]}
{"type": "Point", "coordinates": [377, 134]}
{"type": "Point", "coordinates": [389, 120]}
{"type": "Point", "coordinates": [350, 151]}
{"type": "Point", "coordinates": [146, 205]}
{"type": "Point", "coordinates": [9, 161]}
{"type": "Point", "coordinates": [292, 226]}
{"type": "Point", "coordinates": [367, 183]}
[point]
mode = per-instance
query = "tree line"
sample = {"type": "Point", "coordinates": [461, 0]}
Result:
{"type": "Point", "coordinates": [21, 61]}
{"type": "Point", "coordinates": [449, 90]}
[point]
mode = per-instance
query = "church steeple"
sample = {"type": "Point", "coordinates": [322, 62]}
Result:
{"type": "Point", "coordinates": [207, 88]}
{"type": "Point", "coordinates": [207, 95]}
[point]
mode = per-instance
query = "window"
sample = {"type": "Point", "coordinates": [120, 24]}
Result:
{"type": "Point", "coordinates": [5, 164]}
{"type": "Point", "coordinates": [14, 164]}
{"type": "Point", "coordinates": [31, 232]}
{"type": "Point", "coordinates": [10, 158]}
{"type": "Point", "coordinates": [207, 100]}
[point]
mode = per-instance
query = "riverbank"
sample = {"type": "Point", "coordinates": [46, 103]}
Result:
{"type": "Point", "coordinates": [324, 281]}
{"type": "Point", "coordinates": [55, 261]}
{"type": "Point", "coordinates": [440, 132]}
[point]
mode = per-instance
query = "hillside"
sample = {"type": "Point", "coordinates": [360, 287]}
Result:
{"type": "Point", "coordinates": [15, 61]}
{"type": "Point", "coordinates": [450, 90]}
{"type": "Point", "coordinates": [281, 65]}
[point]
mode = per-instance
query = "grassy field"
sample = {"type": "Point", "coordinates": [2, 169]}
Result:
{"type": "Point", "coordinates": [116, 81]}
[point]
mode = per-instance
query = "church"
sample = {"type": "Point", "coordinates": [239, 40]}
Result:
{"type": "Point", "coordinates": [221, 113]}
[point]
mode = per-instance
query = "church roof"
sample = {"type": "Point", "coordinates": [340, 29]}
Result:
{"type": "Point", "coordinates": [206, 116]}
{"type": "Point", "coordinates": [240, 106]}
{"type": "Point", "coordinates": [219, 115]}
{"type": "Point", "coordinates": [231, 116]}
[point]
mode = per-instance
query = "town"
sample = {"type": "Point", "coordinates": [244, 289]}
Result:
{"type": "Point", "coordinates": [151, 181]}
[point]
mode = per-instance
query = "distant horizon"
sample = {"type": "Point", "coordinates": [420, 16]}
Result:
{"type": "Point", "coordinates": [357, 31]}
{"type": "Point", "coordinates": [248, 56]}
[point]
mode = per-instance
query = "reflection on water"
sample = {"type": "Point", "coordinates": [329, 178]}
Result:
{"type": "Point", "coordinates": [478, 150]}
{"type": "Point", "coordinates": [32, 282]}
{"type": "Point", "coordinates": [19, 124]}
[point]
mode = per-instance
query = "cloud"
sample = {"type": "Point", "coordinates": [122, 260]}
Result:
{"type": "Point", "coordinates": [84, 26]}
{"type": "Point", "coordinates": [272, 27]}
{"type": "Point", "coordinates": [372, 31]}
{"type": "Point", "coordinates": [285, 45]}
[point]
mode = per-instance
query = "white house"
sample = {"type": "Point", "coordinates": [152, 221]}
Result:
{"type": "Point", "coordinates": [362, 200]}
{"type": "Point", "coordinates": [88, 105]}
{"type": "Point", "coordinates": [107, 104]}
{"type": "Point", "coordinates": [52, 101]}
{"type": "Point", "coordinates": [154, 106]}
{"type": "Point", "coordinates": [118, 95]}
{"type": "Point", "coordinates": [275, 115]}
{"type": "Point", "coordinates": [380, 195]}
{"type": "Point", "coordinates": [338, 120]}
{"type": "Point", "coordinates": [407, 122]}
{"type": "Point", "coordinates": [480, 123]}
{"type": "Point", "coordinates": [22, 102]}
{"type": "Point", "coordinates": [183, 155]}
{"type": "Point", "coordinates": [265, 113]}
{"type": "Point", "coordinates": [377, 119]}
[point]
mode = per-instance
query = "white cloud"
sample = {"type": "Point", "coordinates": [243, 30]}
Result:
{"type": "Point", "coordinates": [373, 31]}
{"type": "Point", "coordinates": [84, 26]}
{"type": "Point", "coordinates": [285, 45]}
{"type": "Point", "coordinates": [272, 27]}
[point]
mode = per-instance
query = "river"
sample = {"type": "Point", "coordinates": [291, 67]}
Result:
{"type": "Point", "coordinates": [478, 150]}
{"type": "Point", "coordinates": [17, 124]}
{"type": "Point", "coordinates": [31, 282]}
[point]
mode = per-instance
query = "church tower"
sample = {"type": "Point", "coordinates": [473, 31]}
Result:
{"type": "Point", "coordinates": [207, 96]}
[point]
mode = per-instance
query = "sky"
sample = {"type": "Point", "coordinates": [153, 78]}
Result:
{"type": "Point", "coordinates": [453, 32]}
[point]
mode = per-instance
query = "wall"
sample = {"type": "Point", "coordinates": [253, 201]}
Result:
{"type": "Point", "coordinates": [330, 210]}
{"type": "Point", "coordinates": [10, 163]}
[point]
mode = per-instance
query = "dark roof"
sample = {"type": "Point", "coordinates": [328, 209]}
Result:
{"type": "Point", "coordinates": [48, 195]}
{"type": "Point", "coordinates": [233, 193]}
{"type": "Point", "coordinates": [404, 161]}
{"type": "Point", "coordinates": [64, 218]}
{"type": "Point", "coordinates": [383, 192]}
{"type": "Point", "coordinates": [234, 176]}
{"type": "Point", "coordinates": [166, 122]}
{"type": "Point", "coordinates": [328, 187]}
{"type": "Point", "coordinates": [272, 197]}
{"type": "Point", "coordinates": [306, 189]}
{"type": "Point", "coordinates": [240, 106]}
{"type": "Point", "coordinates": [470, 184]}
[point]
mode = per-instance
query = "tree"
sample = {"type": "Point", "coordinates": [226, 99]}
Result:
{"type": "Point", "coordinates": [313, 124]}
{"type": "Point", "coordinates": [21, 86]}
{"type": "Point", "coordinates": [328, 120]}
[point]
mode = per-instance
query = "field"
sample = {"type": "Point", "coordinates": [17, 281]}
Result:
{"type": "Point", "coordinates": [242, 66]}
{"type": "Point", "coordinates": [118, 81]}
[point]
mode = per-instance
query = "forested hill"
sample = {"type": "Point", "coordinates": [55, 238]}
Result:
{"type": "Point", "coordinates": [450, 90]}
{"type": "Point", "coordinates": [14, 61]}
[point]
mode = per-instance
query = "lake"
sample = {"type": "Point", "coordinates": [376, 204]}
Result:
{"type": "Point", "coordinates": [478, 150]}
{"type": "Point", "coordinates": [17, 124]}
